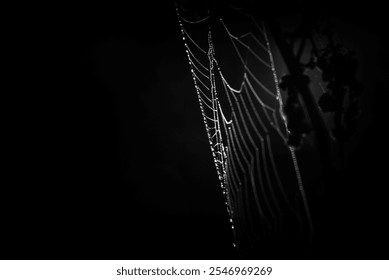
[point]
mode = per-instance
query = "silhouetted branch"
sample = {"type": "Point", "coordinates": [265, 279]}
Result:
{"type": "Point", "coordinates": [301, 84]}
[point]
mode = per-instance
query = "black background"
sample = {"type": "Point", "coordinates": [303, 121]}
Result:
{"type": "Point", "coordinates": [108, 157]}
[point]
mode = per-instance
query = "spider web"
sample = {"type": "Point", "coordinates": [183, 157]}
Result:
{"type": "Point", "coordinates": [241, 106]}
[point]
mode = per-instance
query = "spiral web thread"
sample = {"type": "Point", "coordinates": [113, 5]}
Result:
{"type": "Point", "coordinates": [243, 131]}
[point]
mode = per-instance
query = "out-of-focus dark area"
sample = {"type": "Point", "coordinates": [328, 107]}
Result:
{"type": "Point", "coordinates": [107, 155]}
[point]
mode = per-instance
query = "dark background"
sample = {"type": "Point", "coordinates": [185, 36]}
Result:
{"type": "Point", "coordinates": [108, 157]}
